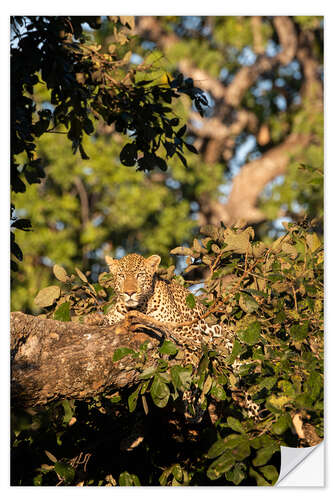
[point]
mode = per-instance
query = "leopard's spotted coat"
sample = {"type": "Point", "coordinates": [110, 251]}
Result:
{"type": "Point", "coordinates": [138, 287]}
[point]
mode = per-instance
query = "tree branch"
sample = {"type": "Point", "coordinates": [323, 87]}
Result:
{"type": "Point", "coordinates": [83, 199]}
{"type": "Point", "coordinates": [258, 45]}
{"type": "Point", "coordinates": [54, 360]}
{"type": "Point", "coordinates": [247, 75]}
{"type": "Point", "coordinates": [249, 183]}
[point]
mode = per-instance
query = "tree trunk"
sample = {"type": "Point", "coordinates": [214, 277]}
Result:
{"type": "Point", "coordinates": [53, 360]}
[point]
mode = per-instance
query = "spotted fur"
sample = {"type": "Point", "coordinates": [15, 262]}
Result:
{"type": "Point", "coordinates": [138, 287]}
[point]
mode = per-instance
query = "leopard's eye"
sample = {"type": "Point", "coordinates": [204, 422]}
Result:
{"type": "Point", "coordinates": [121, 276]}
{"type": "Point", "coordinates": [140, 275]}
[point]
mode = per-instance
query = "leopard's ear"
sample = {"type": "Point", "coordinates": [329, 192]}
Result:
{"type": "Point", "coordinates": [112, 263]}
{"type": "Point", "coordinates": [153, 262]}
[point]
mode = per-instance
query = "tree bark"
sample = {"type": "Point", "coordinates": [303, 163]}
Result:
{"type": "Point", "coordinates": [53, 360]}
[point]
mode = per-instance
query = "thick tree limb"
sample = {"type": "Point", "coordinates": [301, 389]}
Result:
{"type": "Point", "coordinates": [249, 183]}
{"type": "Point", "coordinates": [54, 360]}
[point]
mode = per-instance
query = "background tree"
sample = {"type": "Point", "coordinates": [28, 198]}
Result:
{"type": "Point", "coordinates": [263, 80]}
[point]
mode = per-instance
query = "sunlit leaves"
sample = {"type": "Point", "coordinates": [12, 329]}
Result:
{"type": "Point", "coordinates": [127, 479]}
{"type": "Point", "coordinates": [62, 313]}
{"type": "Point", "coordinates": [60, 273]}
{"type": "Point", "coordinates": [65, 471]}
{"type": "Point", "coordinates": [159, 392]}
{"type": "Point", "coordinates": [221, 465]}
{"type": "Point", "coordinates": [190, 300]}
{"type": "Point", "coordinates": [47, 296]}
{"type": "Point", "coordinates": [121, 352]}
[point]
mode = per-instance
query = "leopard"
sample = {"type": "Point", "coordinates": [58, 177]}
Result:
{"type": "Point", "coordinates": [139, 287]}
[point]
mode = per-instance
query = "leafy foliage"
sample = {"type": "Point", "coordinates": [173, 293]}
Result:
{"type": "Point", "coordinates": [251, 385]}
{"type": "Point", "coordinates": [84, 86]}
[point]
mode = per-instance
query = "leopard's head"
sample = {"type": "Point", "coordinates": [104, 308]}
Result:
{"type": "Point", "coordinates": [133, 277]}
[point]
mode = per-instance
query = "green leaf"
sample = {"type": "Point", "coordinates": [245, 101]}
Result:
{"type": "Point", "coordinates": [258, 293]}
{"type": "Point", "coordinates": [278, 402]}
{"type": "Point", "coordinates": [68, 410]}
{"type": "Point", "coordinates": [241, 451]}
{"type": "Point", "coordinates": [121, 352]}
{"type": "Point", "coordinates": [264, 454]}
{"type": "Point", "coordinates": [221, 465]}
{"type": "Point", "coordinates": [177, 472]}
{"type": "Point", "coordinates": [251, 335]}
{"type": "Point", "coordinates": [267, 382]}
{"type": "Point", "coordinates": [314, 385]}
{"type": "Point", "coordinates": [235, 424]}
{"type": "Point", "coordinates": [127, 479]}
{"type": "Point", "coordinates": [148, 372]}
{"type": "Point", "coordinates": [216, 449]}
{"type": "Point", "coordinates": [133, 399]}
{"type": "Point", "coordinates": [248, 303]}
{"type": "Point", "coordinates": [38, 480]}
{"type": "Point", "coordinates": [65, 471]}
{"type": "Point", "coordinates": [258, 477]}
{"type": "Point", "coordinates": [299, 332]}
{"type": "Point", "coordinates": [181, 377]}
{"type": "Point", "coordinates": [218, 392]}
{"type": "Point", "coordinates": [237, 349]}
{"type": "Point", "coordinates": [287, 388]}
{"type": "Point", "coordinates": [159, 392]}
{"type": "Point", "coordinates": [47, 296]}
{"type": "Point", "coordinates": [62, 313]}
{"type": "Point", "coordinates": [168, 347]}
{"type": "Point", "coordinates": [236, 474]}
{"type": "Point", "coordinates": [270, 473]}
{"type": "Point", "coordinates": [281, 425]}
{"type": "Point", "coordinates": [190, 300]}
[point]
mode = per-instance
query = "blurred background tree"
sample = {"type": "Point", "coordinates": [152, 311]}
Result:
{"type": "Point", "coordinates": [260, 146]}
